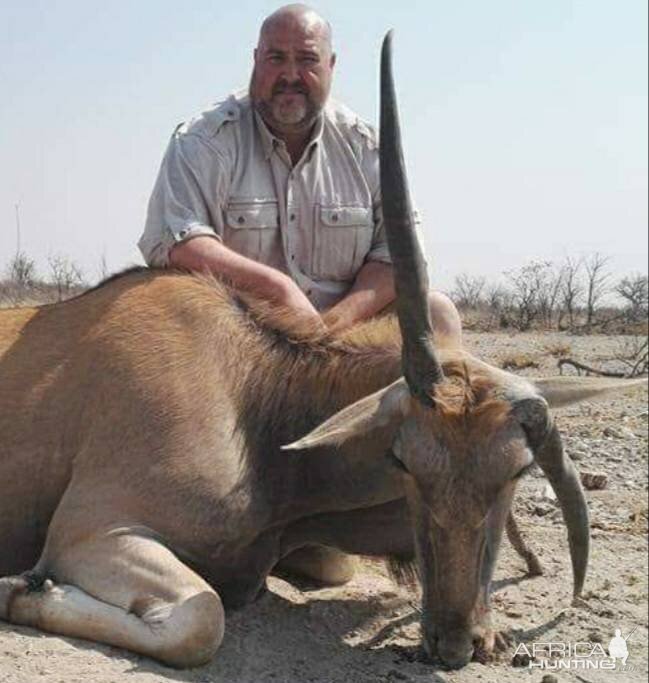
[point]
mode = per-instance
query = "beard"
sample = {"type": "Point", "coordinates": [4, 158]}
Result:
{"type": "Point", "coordinates": [290, 108]}
{"type": "Point", "coordinates": [290, 111]}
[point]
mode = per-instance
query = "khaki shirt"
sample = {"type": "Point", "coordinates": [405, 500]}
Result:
{"type": "Point", "coordinates": [224, 174]}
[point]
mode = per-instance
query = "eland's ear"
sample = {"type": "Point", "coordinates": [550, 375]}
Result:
{"type": "Point", "coordinates": [564, 391]}
{"type": "Point", "coordinates": [376, 410]}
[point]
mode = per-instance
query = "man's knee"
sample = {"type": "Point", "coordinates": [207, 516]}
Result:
{"type": "Point", "coordinates": [322, 564]}
{"type": "Point", "coordinates": [445, 318]}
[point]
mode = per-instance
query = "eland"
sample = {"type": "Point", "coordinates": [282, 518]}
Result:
{"type": "Point", "coordinates": [165, 444]}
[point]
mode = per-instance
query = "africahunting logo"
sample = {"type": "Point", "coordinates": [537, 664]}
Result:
{"type": "Point", "coordinates": [578, 656]}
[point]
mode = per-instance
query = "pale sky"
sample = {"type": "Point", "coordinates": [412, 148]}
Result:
{"type": "Point", "coordinates": [525, 122]}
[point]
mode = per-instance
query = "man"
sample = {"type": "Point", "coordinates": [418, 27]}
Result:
{"type": "Point", "coordinates": [278, 191]}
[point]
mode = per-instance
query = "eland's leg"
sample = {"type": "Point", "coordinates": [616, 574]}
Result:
{"type": "Point", "coordinates": [534, 566]}
{"type": "Point", "coordinates": [124, 590]}
{"type": "Point", "coordinates": [316, 547]}
{"type": "Point", "coordinates": [382, 531]}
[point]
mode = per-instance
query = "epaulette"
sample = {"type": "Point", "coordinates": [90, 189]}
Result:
{"type": "Point", "coordinates": [208, 123]}
{"type": "Point", "coordinates": [349, 120]}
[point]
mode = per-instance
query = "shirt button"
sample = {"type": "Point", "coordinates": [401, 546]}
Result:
{"type": "Point", "coordinates": [182, 233]}
{"type": "Point", "coordinates": [292, 216]}
{"type": "Point", "coordinates": [292, 257]}
{"type": "Point", "coordinates": [241, 220]}
{"type": "Point", "coordinates": [334, 217]}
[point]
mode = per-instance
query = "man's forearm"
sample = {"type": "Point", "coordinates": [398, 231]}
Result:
{"type": "Point", "coordinates": [372, 291]}
{"type": "Point", "coordinates": [207, 254]}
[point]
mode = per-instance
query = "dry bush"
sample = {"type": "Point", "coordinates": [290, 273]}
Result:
{"type": "Point", "coordinates": [518, 361]}
{"type": "Point", "coordinates": [631, 359]}
{"type": "Point", "coordinates": [20, 280]}
{"type": "Point", "coordinates": [558, 349]}
{"type": "Point", "coordinates": [633, 354]}
{"type": "Point", "coordinates": [468, 290]}
{"type": "Point", "coordinates": [66, 277]}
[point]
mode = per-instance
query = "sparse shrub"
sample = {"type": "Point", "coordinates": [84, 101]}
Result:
{"type": "Point", "coordinates": [65, 276]}
{"type": "Point", "coordinates": [558, 349]}
{"type": "Point", "coordinates": [468, 290]}
{"type": "Point", "coordinates": [518, 361]}
{"type": "Point", "coordinates": [20, 280]}
{"type": "Point", "coordinates": [634, 290]}
{"type": "Point", "coordinates": [633, 354]}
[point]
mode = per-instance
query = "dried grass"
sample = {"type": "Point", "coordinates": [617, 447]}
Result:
{"type": "Point", "coordinates": [518, 361]}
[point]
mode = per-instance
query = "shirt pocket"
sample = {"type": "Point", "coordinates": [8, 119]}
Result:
{"type": "Point", "coordinates": [252, 229]}
{"type": "Point", "coordinates": [343, 238]}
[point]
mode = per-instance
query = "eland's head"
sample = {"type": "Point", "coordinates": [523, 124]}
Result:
{"type": "Point", "coordinates": [463, 435]}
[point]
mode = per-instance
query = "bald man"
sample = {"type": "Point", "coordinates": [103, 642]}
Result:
{"type": "Point", "coordinates": [277, 189]}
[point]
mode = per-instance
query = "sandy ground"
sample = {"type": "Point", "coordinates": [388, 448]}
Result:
{"type": "Point", "coordinates": [367, 631]}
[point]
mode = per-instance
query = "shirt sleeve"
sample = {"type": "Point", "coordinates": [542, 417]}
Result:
{"type": "Point", "coordinates": [187, 197]}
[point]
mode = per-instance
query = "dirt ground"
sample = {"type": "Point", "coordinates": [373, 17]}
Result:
{"type": "Point", "coordinates": [367, 631]}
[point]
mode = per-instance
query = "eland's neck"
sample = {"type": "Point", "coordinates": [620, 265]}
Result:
{"type": "Point", "coordinates": [305, 391]}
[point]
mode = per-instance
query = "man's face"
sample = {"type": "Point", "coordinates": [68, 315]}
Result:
{"type": "Point", "coordinates": [292, 75]}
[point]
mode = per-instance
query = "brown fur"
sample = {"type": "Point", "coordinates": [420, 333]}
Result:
{"type": "Point", "coordinates": [135, 405]}
{"type": "Point", "coordinates": [282, 351]}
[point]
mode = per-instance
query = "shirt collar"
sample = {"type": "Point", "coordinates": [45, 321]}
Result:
{"type": "Point", "coordinates": [269, 141]}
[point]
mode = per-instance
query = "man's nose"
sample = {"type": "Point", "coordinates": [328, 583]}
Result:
{"type": "Point", "coordinates": [291, 71]}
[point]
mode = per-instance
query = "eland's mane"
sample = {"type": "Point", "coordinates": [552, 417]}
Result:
{"type": "Point", "coordinates": [280, 359]}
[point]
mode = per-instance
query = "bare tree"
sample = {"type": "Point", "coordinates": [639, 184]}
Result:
{"type": "Point", "coordinates": [22, 270]}
{"type": "Point", "coordinates": [534, 292]}
{"type": "Point", "coordinates": [597, 277]}
{"type": "Point", "coordinates": [572, 288]}
{"type": "Point", "coordinates": [468, 290]}
{"type": "Point", "coordinates": [634, 290]}
{"type": "Point", "coordinates": [549, 283]}
{"type": "Point", "coordinates": [65, 275]}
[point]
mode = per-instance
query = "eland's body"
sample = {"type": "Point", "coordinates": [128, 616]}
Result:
{"type": "Point", "coordinates": [141, 427]}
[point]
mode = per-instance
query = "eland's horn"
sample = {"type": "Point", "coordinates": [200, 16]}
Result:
{"type": "Point", "coordinates": [545, 443]}
{"type": "Point", "coordinates": [420, 365]}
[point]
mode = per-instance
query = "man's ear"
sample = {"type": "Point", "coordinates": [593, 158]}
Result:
{"type": "Point", "coordinates": [332, 61]}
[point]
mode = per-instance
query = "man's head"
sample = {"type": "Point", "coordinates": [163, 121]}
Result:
{"type": "Point", "coordinates": [293, 69]}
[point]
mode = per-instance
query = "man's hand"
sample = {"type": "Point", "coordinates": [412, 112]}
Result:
{"type": "Point", "coordinates": [372, 291]}
{"type": "Point", "coordinates": [207, 254]}
{"type": "Point", "coordinates": [289, 295]}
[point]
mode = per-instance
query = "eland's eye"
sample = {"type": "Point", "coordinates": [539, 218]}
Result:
{"type": "Point", "coordinates": [396, 461]}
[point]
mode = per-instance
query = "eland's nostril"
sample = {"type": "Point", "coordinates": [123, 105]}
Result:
{"type": "Point", "coordinates": [454, 654]}
{"type": "Point", "coordinates": [457, 661]}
